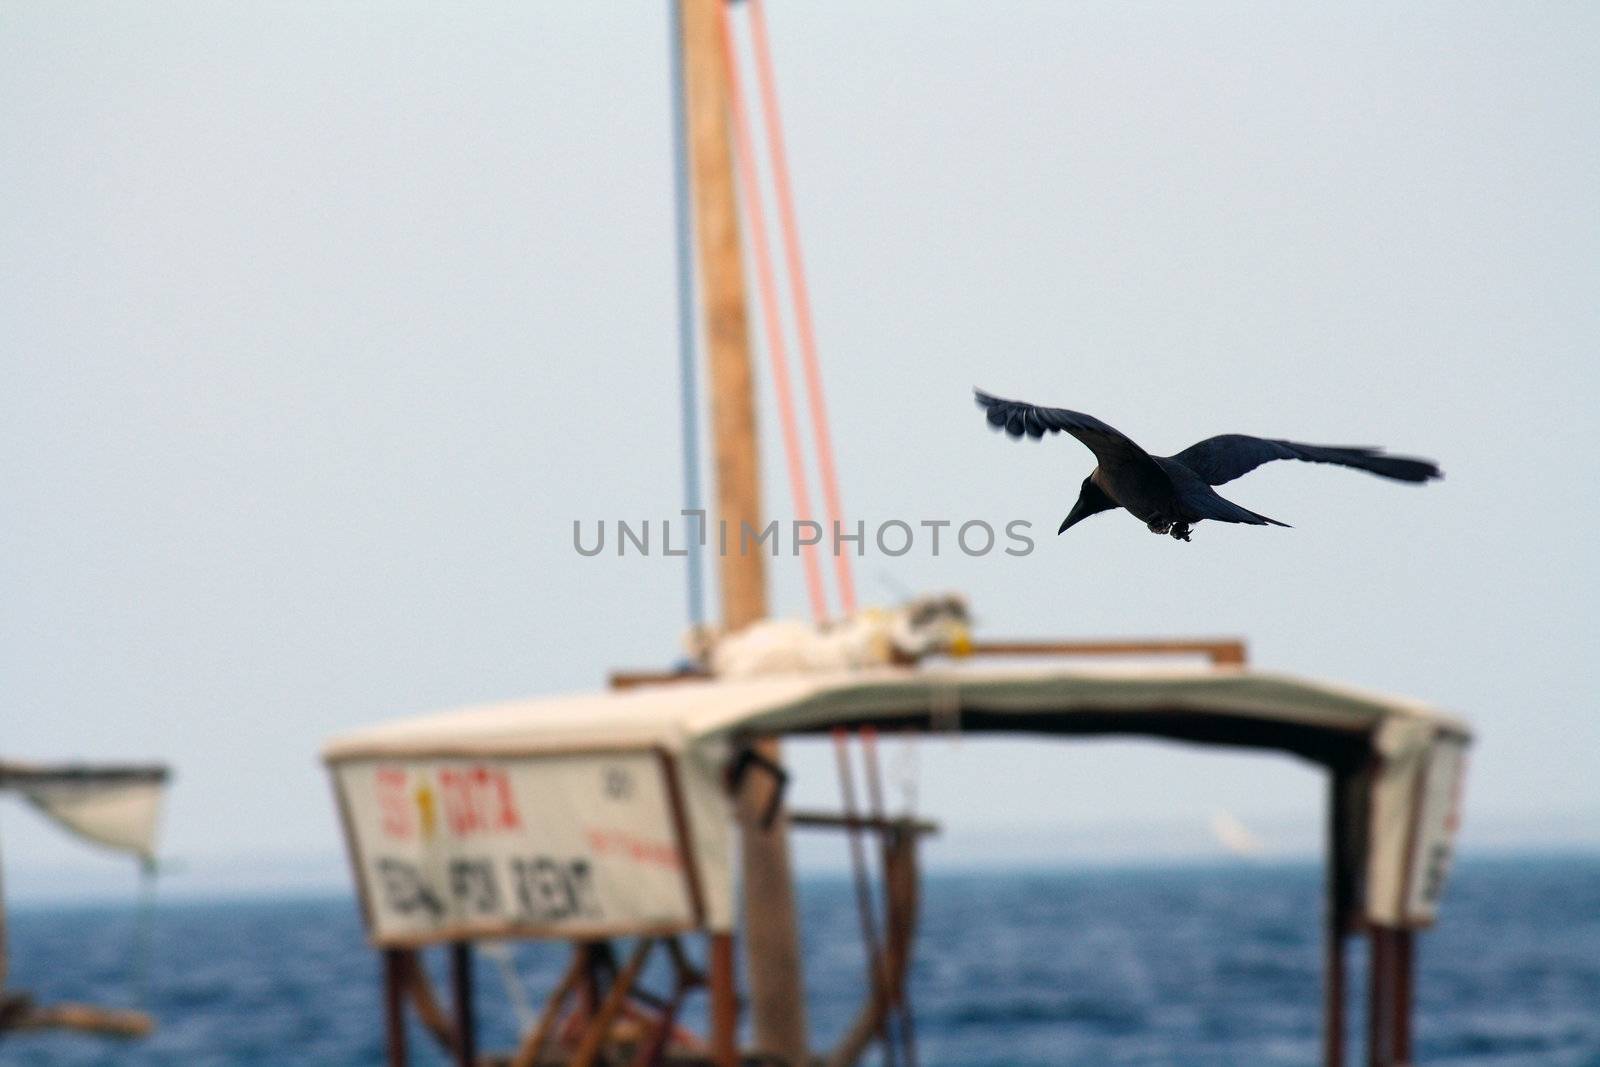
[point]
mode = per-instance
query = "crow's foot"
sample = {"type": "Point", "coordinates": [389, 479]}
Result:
{"type": "Point", "coordinates": [1158, 527]}
{"type": "Point", "coordinates": [1179, 531]}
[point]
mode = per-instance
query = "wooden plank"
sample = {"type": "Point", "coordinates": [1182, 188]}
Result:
{"type": "Point", "coordinates": [827, 820]}
{"type": "Point", "coordinates": [83, 1018]}
{"type": "Point", "coordinates": [1220, 651]}
{"type": "Point", "coordinates": [635, 679]}
{"type": "Point", "coordinates": [15, 775]}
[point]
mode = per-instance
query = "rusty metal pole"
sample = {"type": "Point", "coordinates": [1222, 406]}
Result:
{"type": "Point", "coordinates": [724, 1003]}
{"type": "Point", "coordinates": [1337, 882]}
{"type": "Point", "coordinates": [1400, 1024]}
{"type": "Point", "coordinates": [1379, 997]}
{"type": "Point", "coordinates": [771, 930]}
{"type": "Point", "coordinates": [394, 1006]}
{"type": "Point", "coordinates": [461, 997]}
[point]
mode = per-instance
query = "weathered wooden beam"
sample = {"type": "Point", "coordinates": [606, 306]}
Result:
{"type": "Point", "coordinates": [533, 1043]}
{"type": "Point", "coordinates": [827, 820]}
{"type": "Point", "coordinates": [902, 903]}
{"type": "Point", "coordinates": [598, 1031]}
{"type": "Point", "coordinates": [416, 983]}
{"type": "Point", "coordinates": [18, 1012]}
{"type": "Point", "coordinates": [771, 927]}
{"type": "Point", "coordinates": [17, 775]}
{"type": "Point", "coordinates": [634, 679]}
{"type": "Point", "coordinates": [1220, 651]}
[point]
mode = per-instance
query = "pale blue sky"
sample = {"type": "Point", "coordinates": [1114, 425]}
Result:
{"type": "Point", "coordinates": [321, 323]}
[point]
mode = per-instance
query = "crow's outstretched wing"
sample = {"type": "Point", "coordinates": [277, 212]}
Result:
{"type": "Point", "coordinates": [1222, 459]}
{"type": "Point", "coordinates": [1113, 448]}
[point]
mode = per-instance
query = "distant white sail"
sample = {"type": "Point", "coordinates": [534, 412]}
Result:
{"type": "Point", "coordinates": [1234, 836]}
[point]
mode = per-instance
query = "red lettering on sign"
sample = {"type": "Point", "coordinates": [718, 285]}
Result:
{"type": "Point", "coordinates": [637, 849]}
{"type": "Point", "coordinates": [478, 800]}
{"type": "Point", "coordinates": [396, 814]}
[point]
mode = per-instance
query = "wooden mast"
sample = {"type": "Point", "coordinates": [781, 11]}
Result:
{"type": "Point", "coordinates": [772, 949]}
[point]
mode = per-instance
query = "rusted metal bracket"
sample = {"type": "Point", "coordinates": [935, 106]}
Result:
{"type": "Point", "coordinates": [749, 758]}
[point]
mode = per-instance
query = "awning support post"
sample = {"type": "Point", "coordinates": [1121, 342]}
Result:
{"type": "Point", "coordinates": [394, 1005]}
{"type": "Point", "coordinates": [466, 1045]}
{"type": "Point", "coordinates": [1400, 1029]}
{"type": "Point", "coordinates": [1378, 997]}
{"type": "Point", "coordinates": [1337, 881]}
{"type": "Point", "coordinates": [724, 1002]}
{"type": "Point", "coordinates": [1389, 997]}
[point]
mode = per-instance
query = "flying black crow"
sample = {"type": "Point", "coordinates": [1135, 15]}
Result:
{"type": "Point", "coordinates": [1169, 494]}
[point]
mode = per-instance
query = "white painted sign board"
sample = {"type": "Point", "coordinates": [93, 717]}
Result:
{"type": "Point", "coordinates": [583, 845]}
{"type": "Point", "coordinates": [1437, 819]}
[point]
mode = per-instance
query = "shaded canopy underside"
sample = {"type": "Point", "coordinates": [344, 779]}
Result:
{"type": "Point", "coordinates": [1327, 724]}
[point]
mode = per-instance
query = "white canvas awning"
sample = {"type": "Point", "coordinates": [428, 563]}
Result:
{"type": "Point", "coordinates": [118, 807]}
{"type": "Point", "coordinates": [607, 811]}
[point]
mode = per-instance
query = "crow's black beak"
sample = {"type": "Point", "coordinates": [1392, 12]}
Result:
{"type": "Point", "coordinates": [1078, 513]}
{"type": "Point", "coordinates": [1092, 500]}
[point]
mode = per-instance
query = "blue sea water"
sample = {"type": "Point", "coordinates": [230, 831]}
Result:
{"type": "Point", "coordinates": [1183, 966]}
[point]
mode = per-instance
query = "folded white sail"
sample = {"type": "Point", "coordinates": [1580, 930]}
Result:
{"type": "Point", "coordinates": [116, 807]}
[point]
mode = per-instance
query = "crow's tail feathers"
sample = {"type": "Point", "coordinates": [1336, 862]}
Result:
{"type": "Point", "coordinates": [1211, 505]}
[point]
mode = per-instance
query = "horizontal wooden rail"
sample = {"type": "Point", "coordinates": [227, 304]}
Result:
{"type": "Point", "coordinates": [828, 820]}
{"type": "Point", "coordinates": [19, 1012]}
{"type": "Point", "coordinates": [19, 775]}
{"type": "Point", "coordinates": [1222, 652]}
{"type": "Point", "coordinates": [634, 679]}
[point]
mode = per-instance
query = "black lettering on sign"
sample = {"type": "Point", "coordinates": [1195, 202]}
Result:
{"type": "Point", "coordinates": [551, 890]}
{"type": "Point", "coordinates": [618, 783]}
{"type": "Point", "coordinates": [1438, 864]}
{"type": "Point", "coordinates": [405, 890]}
{"type": "Point", "coordinates": [473, 886]}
